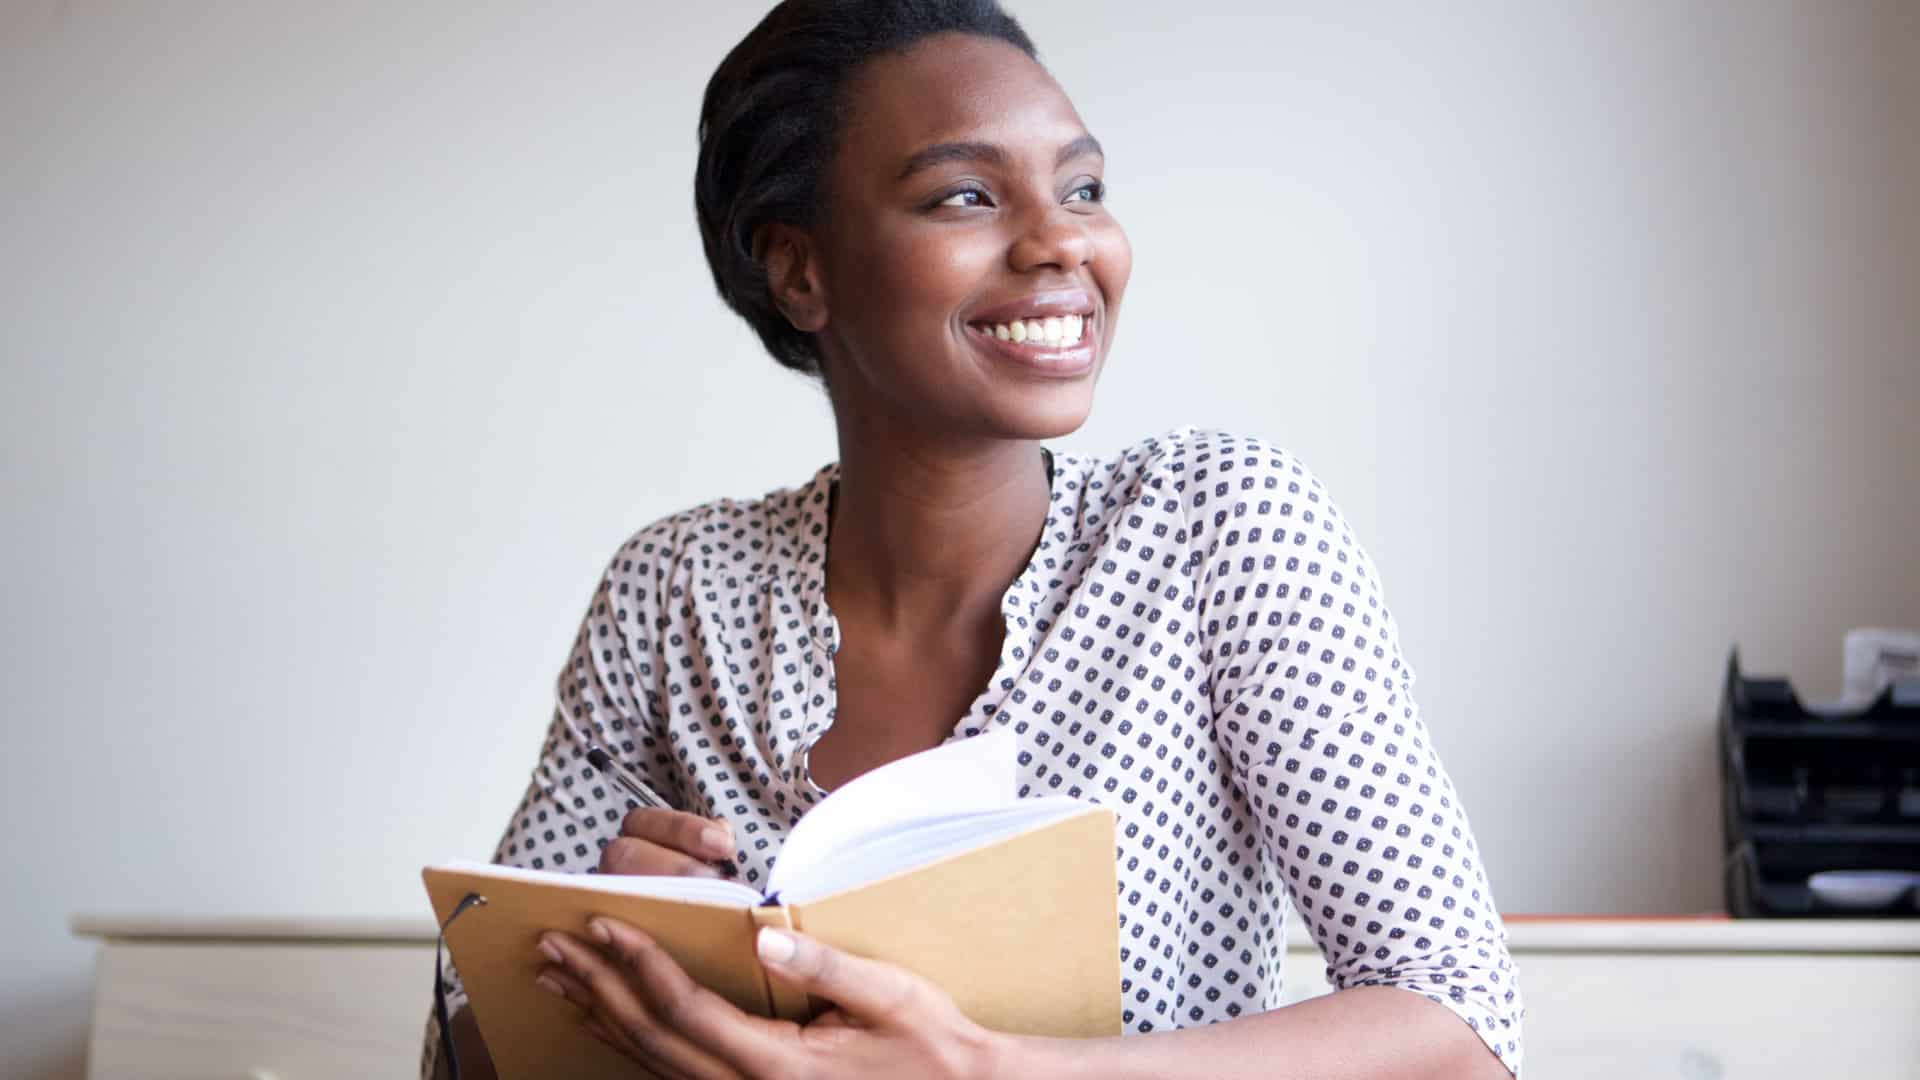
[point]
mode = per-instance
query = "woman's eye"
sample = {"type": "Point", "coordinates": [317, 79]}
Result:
{"type": "Point", "coordinates": [1091, 191]}
{"type": "Point", "coordinates": [965, 197]}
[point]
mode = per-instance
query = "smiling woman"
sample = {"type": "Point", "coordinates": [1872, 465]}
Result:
{"type": "Point", "coordinates": [961, 229]}
{"type": "Point", "coordinates": [901, 201]}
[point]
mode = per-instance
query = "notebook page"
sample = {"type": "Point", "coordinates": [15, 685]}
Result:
{"type": "Point", "coordinates": [693, 889]}
{"type": "Point", "coordinates": [964, 776]}
{"type": "Point", "coordinates": [880, 855]}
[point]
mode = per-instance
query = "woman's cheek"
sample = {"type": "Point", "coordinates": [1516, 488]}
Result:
{"type": "Point", "coordinates": [1112, 261]}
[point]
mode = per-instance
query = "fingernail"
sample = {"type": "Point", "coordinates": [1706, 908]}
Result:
{"type": "Point", "coordinates": [550, 985]}
{"type": "Point", "coordinates": [718, 839]}
{"type": "Point", "coordinates": [551, 951]}
{"type": "Point", "coordinates": [776, 947]}
{"type": "Point", "coordinates": [600, 932]}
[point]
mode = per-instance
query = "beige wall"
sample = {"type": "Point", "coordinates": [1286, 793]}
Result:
{"type": "Point", "coordinates": [341, 343]}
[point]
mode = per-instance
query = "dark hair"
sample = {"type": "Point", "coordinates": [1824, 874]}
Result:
{"type": "Point", "coordinates": [769, 122]}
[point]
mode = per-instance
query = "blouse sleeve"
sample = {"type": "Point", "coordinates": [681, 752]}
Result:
{"type": "Point", "coordinates": [605, 696]}
{"type": "Point", "coordinates": [1314, 709]}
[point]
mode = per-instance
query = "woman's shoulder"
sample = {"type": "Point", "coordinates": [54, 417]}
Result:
{"type": "Point", "coordinates": [1209, 466]}
{"type": "Point", "coordinates": [734, 540]}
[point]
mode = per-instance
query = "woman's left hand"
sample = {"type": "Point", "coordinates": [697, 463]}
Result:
{"type": "Point", "coordinates": [888, 1022]}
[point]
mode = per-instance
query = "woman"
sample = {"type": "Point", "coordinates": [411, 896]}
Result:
{"type": "Point", "coordinates": [901, 201]}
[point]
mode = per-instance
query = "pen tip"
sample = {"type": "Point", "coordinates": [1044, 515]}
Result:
{"type": "Point", "coordinates": [598, 757]}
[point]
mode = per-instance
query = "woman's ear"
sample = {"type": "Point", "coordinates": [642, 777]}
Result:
{"type": "Point", "coordinates": [793, 275]}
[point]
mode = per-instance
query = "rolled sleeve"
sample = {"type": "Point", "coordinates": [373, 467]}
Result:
{"type": "Point", "coordinates": [1314, 708]}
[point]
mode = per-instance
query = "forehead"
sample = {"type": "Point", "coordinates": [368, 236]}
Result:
{"type": "Point", "coordinates": [951, 87]}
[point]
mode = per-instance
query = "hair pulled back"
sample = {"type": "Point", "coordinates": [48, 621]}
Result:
{"type": "Point", "coordinates": [768, 126]}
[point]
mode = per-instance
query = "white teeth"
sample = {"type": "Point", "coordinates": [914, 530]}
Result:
{"type": "Point", "coordinates": [1052, 330]}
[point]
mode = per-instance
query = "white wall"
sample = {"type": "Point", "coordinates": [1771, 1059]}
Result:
{"type": "Point", "coordinates": [342, 342]}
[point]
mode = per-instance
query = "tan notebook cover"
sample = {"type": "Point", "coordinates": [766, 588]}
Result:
{"type": "Point", "coordinates": [1024, 933]}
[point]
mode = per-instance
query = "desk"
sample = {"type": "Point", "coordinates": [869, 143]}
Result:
{"type": "Point", "coordinates": [1607, 999]}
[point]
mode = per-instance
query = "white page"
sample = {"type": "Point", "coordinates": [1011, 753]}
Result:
{"type": "Point", "coordinates": [880, 855]}
{"type": "Point", "coordinates": [961, 777]}
{"type": "Point", "coordinates": [697, 890]}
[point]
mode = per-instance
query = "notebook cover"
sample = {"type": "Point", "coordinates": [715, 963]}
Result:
{"type": "Point", "coordinates": [532, 1033]}
{"type": "Point", "coordinates": [1024, 934]}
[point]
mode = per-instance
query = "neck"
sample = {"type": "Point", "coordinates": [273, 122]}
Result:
{"type": "Point", "coordinates": [928, 532]}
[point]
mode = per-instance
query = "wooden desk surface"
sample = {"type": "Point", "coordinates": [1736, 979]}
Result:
{"type": "Point", "coordinates": [1526, 933]}
{"type": "Point", "coordinates": [185, 997]}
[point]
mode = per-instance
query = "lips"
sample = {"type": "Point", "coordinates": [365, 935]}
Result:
{"type": "Point", "coordinates": [1056, 319]}
{"type": "Point", "coordinates": [1049, 333]}
{"type": "Point", "coordinates": [1036, 306]}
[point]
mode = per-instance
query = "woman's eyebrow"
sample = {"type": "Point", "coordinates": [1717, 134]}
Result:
{"type": "Point", "coordinates": [991, 154]}
{"type": "Point", "coordinates": [941, 153]}
{"type": "Point", "coordinates": [1084, 146]}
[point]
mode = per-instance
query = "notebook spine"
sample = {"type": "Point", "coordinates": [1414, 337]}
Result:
{"type": "Point", "coordinates": [784, 1000]}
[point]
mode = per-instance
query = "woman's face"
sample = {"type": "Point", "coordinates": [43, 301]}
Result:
{"type": "Point", "coordinates": [964, 204]}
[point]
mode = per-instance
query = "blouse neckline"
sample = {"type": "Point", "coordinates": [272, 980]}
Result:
{"type": "Point", "coordinates": [1019, 608]}
{"type": "Point", "coordinates": [808, 567]}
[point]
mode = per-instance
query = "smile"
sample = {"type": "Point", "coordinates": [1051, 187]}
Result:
{"type": "Point", "coordinates": [1054, 330]}
{"type": "Point", "coordinates": [1051, 347]}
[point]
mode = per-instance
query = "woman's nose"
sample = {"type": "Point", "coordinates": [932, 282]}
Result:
{"type": "Point", "coordinates": [1058, 240]}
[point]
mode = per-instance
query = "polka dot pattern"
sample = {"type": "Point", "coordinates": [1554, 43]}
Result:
{"type": "Point", "coordinates": [1197, 642]}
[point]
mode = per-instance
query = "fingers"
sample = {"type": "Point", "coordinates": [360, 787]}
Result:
{"type": "Point", "coordinates": [668, 842]}
{"type": "Point", "coordinates": [640, 1002]}
{"type": "Point", "coordinates": [710, 838]}
{"type": "Point", "coordinates": [556, 979]}
{"type": "Point", "coordinates": [755, 1045]}
{"type": "Point", "coordinates": [868, 989]}
{"type": "Point", "coordinates": [619, 1043]}
{"type": "Point", "coordinates": [627, 1014]}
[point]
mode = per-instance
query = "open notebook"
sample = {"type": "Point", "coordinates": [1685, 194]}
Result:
{"type": "Point", "coordinates": [929, 862]}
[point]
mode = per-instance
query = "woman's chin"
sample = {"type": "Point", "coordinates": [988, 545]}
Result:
{"type": "Point", "coordinates": [1050, 414]}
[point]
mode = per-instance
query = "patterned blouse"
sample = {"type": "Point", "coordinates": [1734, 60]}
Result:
{"type": "Point", "coordinates": [1197, 642]}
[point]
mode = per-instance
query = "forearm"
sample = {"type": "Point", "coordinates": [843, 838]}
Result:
{"type": "Point", "coordinates": [1375, 1032]}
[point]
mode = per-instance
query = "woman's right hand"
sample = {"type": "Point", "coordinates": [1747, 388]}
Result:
{"type": "Point", "coordinates": [670, 843]}
{"type": "Point", "coordinates": [666, 842]}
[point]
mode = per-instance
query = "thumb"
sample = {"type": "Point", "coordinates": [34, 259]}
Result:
{"type": "Point", "coordinates": [868, 989]}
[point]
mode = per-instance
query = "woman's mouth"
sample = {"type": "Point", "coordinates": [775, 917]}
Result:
{"type": "Point", "coordinates": [1055, 330]}
{"type": "Point", "coordinates": [1057, 345]}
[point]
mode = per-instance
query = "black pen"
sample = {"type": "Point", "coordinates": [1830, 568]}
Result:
{"type": "Point", "coordinates": [624, 779]}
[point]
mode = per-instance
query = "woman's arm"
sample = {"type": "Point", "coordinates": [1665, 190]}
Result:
{"type": "Point", "coordinates": [1313, 709]}
{"type": "Point", "coordinates": [1375, 1032]}
{"type": "Point", "coordinates": [889, 1022]}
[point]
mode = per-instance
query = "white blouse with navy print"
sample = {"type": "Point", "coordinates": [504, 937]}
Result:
{"type": "Point", "coordinates": [1197, 642]}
